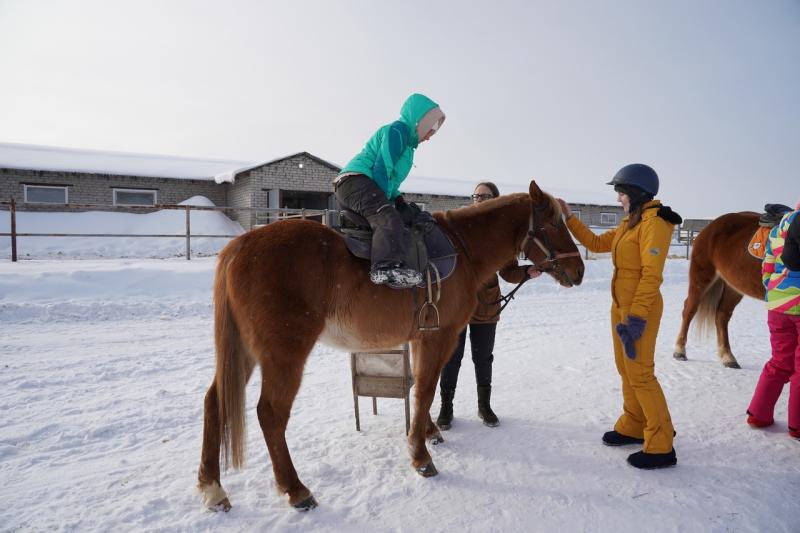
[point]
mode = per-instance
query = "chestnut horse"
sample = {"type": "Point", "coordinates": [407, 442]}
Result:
{"type": "Point", "coordinates": [281, 288]}
{"type": "Point", "coordinates": [722, 271]}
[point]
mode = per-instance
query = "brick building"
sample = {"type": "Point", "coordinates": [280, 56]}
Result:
{"type": "Point", "coordinates": [39, 176]}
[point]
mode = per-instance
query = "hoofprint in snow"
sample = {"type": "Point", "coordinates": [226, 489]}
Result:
{"type": "Point", "coordinates": [105, 364]}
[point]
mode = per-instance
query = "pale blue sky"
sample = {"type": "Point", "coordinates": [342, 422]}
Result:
{"type": "Point", "coordinates": [566, 92]}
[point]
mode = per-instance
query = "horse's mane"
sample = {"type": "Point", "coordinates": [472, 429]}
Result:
{"type": "Point", "coordinates": [554, 208]}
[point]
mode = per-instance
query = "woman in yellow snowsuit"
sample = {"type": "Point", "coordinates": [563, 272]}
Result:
{"type": "Point", "coordinates": [639, 247]}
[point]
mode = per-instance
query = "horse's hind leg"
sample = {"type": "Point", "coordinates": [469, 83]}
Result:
{"type": "Point", "coordinates": [730, 299]}
{"type": "Point", "coordinates": [433, 434]}
{"type": "Point", "coordinates": [701, 275]}
{"type": "Point", "coordinates": [280, 381]}
{"type": "Point", "coordinates": [208, 477]}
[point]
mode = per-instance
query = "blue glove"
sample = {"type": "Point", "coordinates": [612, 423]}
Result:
{"type": "Point", "coordinates": [630, 333]}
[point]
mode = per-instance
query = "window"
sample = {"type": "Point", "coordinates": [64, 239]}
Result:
{"type": "Point", "coordinates": [422, 205]}
{"type": "Point", "coordinates": [134, 197]}
{"type": "Point", "coordinates": [608, 219]}
{"type": "Point", "coordinates": [576, 214]}
{"type": "Point", "coordinates": [46, 194]}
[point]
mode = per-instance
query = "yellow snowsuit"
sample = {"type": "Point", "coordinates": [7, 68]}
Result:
{"type": "Point", "coordinates": [638, 255]}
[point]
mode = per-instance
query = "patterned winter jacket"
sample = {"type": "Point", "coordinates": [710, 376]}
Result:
{"type": "Point", "coordinates": [780, 270]}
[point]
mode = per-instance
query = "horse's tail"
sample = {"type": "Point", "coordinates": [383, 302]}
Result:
{"type": "Point", "coordinates": [707, 308]}
{"type": "Point", "coordinates": [232, 369]}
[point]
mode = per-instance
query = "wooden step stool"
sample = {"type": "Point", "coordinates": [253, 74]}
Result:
{"type": "Point", "coordinates": [382, 374]}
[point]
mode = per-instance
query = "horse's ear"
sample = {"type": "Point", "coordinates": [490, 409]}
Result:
{"type": "Point", "coordinates": [535, 192]}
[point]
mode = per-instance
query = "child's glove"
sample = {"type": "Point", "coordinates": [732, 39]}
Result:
{"type": "Point", "coordinates": [630, 333]}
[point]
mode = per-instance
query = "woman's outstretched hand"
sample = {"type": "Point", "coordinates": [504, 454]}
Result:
{"type": "Point", "coordinates": [533, 272]}
{"type": "Point", "coordinates": [565, 208]}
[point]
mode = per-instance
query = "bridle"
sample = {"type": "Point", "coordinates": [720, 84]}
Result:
{"type": "Point", "coordinates": [550, 263]}
{"type": "Point", "coordinates": [551, 260]}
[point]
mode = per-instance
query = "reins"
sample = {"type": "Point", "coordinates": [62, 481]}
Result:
{"type": "Point", "coordinates": [550, 258]}
{"type": "Point", "coordinates": [549, 264]}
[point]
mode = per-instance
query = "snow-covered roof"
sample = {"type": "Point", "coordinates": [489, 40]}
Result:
{"type": "Point", "coordinates": [34, 157]}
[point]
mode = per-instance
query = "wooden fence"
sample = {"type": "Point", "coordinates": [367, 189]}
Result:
{"type": "Point", "coordinates": [682, 239]}
{"type": "Point", "coordinates": [273, 214]}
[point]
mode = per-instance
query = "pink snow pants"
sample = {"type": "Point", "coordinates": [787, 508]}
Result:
{"type": "Point", "coordinates": [782, 368]}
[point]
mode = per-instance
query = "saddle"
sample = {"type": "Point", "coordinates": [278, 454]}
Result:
{"type": "Point", "coordinates": [773, 213]}
{"type": "Point", "coordinates": [428, 249]}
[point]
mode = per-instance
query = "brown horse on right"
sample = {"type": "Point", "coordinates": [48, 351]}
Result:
{"type": "Point", "coordinates": [722, 271]}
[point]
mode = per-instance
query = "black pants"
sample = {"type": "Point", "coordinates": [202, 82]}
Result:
{"type": "Point", "coordinates": [481, 337]}
{"type": "Point", "coordinates": [360, 194]}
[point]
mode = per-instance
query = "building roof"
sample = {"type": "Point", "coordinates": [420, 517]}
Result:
{"type": "Point", "coordinates": [33, 157]}
{"type": "Point", "coordinates": [230, 177]}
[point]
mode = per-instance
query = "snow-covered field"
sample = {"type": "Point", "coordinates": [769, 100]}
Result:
{"type": "Point", "coordinates": [104, 364]}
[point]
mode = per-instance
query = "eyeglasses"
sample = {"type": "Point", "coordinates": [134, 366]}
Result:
{"type": "Point", "coordinates": [482, 196]}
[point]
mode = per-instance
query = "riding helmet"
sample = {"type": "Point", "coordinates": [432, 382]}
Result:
{"type": "Point", "coordinates": [637, 175]}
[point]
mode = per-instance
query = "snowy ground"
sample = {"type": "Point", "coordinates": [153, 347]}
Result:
{"type": "Point", "coordinates": [103, 367]}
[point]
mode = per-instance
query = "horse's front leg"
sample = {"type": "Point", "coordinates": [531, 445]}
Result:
{"type": "Point", "coordinates": [430, 355]}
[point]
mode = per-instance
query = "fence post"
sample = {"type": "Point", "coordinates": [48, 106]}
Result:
{"type": "Point", "coordinates": [689, 238]}
{"type": "Point", "coordinates": [188, 235]}
{"type": "Point", "coordinates": [13, 212]}
{"type": "Point", "coordinates": [303, 213]}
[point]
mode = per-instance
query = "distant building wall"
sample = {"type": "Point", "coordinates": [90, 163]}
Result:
{"type": "Point", "coordinates": [85, 188]}
{"type": "Point", "coordinates": [598, 215]}
{"type": "Point", "coordinates": [438, 202]}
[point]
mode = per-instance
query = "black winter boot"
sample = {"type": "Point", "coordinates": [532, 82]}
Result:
{"type": "Point", "coordinates": [484, 408]}
{"type": "Point", "coordinates": [445, 417]}
{"type": "Point", "coordinates": [651, 461]}
{"type": "Point", "coordinates": [612, 438]}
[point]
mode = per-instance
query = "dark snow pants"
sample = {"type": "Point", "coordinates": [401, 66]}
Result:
{"type": "Point", "coordinates": [481, 337]}
{"type": "Point", "coordinates": [360, 194]}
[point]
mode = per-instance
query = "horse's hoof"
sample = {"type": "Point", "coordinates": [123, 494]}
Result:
{"type": "Point", "coordinates": [436, 440]}
{"type": "Point", "coordinates": [428, 470]}
{"type": "Point", "coordinates": [679, 356]}
{"type": "Point", "coordinates": [214, 497]}
{"type": "Point", "coordinates": [306, 505]}
{"type": "Point", "coordinates": [731, 364]}
{"type": "Point", "coordinates": [224, 506]}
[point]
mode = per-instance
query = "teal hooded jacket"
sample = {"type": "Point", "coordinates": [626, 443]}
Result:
{"type": "Point", "coordinates": [389, 153]}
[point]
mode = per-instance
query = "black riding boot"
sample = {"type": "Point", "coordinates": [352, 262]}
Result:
{"type": "Point", "coordinates": [484, 408]}
{"type": "Point", "coordinates": [445, 417]}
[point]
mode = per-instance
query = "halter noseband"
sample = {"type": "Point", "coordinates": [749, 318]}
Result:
{"type": "Point", "coordinates": [550, 262]}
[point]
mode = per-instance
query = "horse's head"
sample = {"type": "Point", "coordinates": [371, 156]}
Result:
{"type": "Point", "coordinates": [548, 243]}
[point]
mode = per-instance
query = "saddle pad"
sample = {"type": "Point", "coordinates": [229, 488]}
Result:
{"type": "Point", "coordinates": [441, 252]}
{"type": "Point", "coordinates": [758, 243]}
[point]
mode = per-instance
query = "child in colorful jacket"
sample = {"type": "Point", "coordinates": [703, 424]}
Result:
{"type": "Point", "coordinates": [639, 248]}
{"type": "Point", "coordinates": [370, 185]}
{"type": "Point", "coordinates": [780, 273]}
